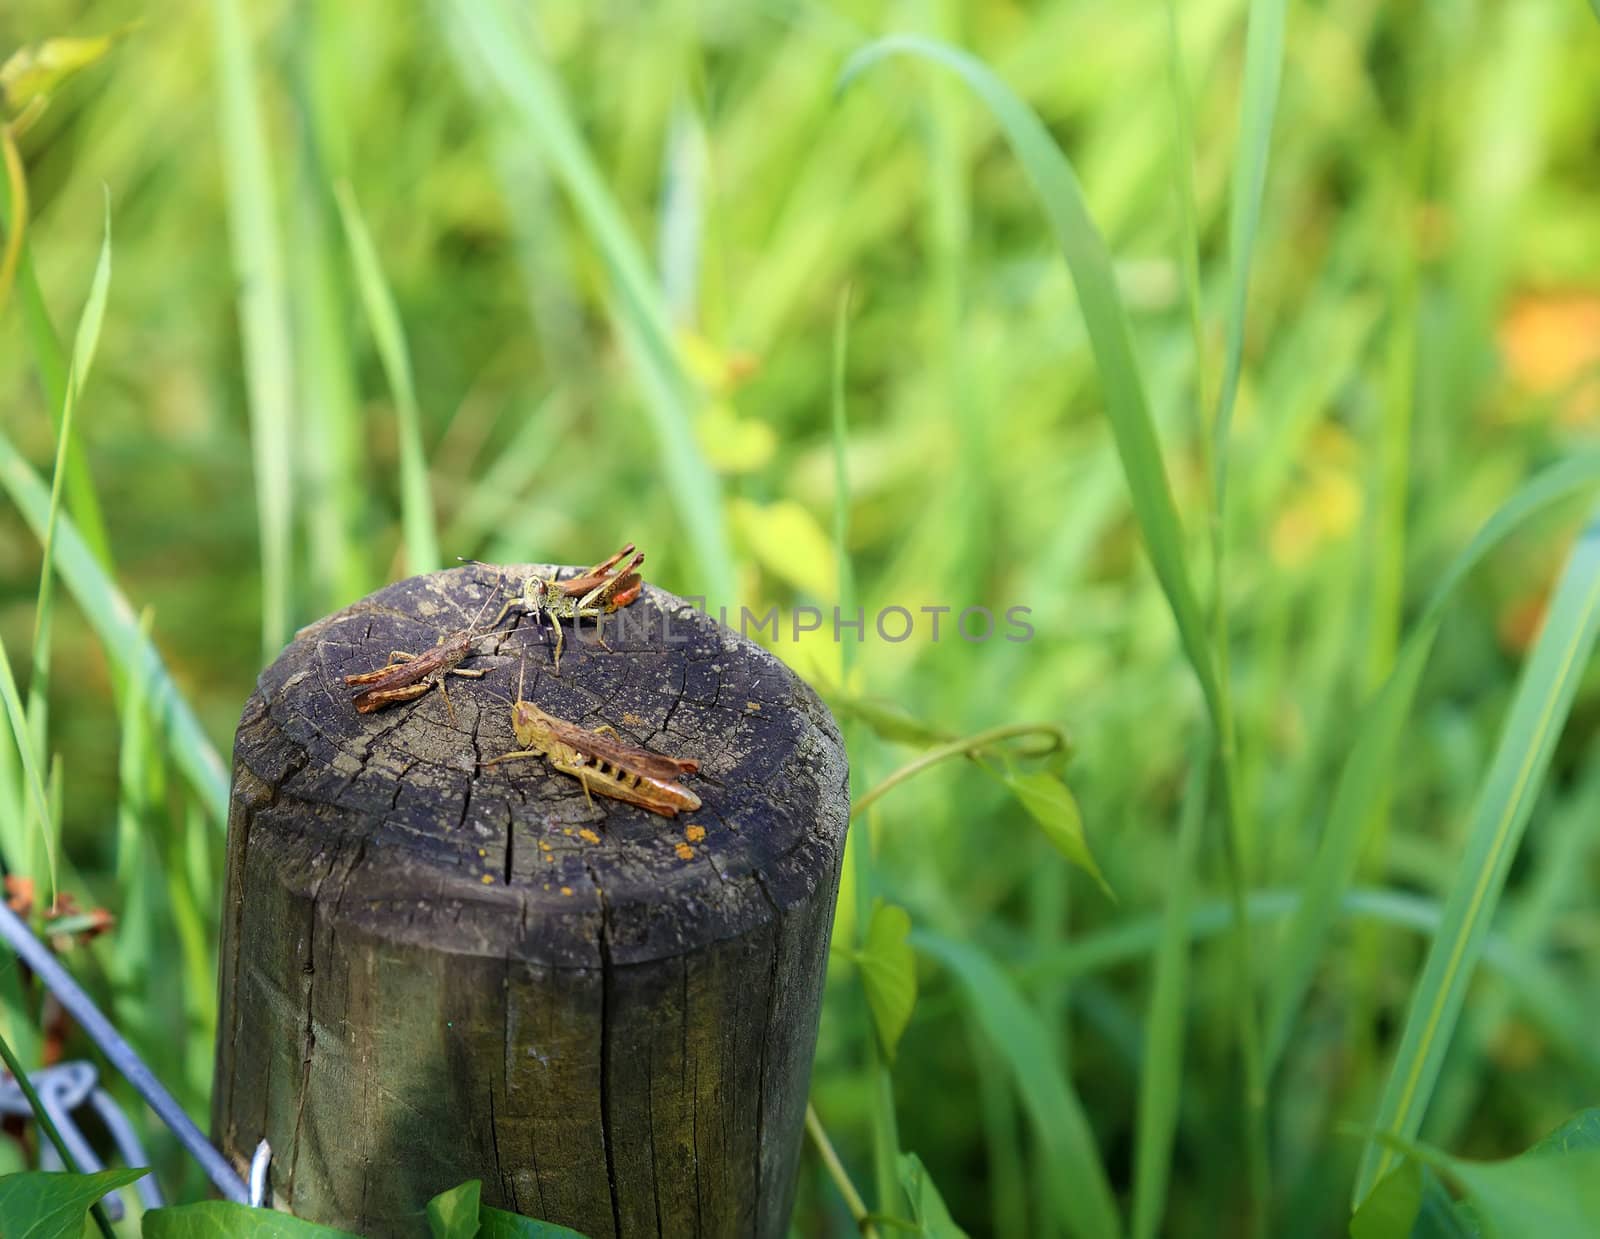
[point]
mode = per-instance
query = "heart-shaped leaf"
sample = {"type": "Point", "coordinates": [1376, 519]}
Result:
{"type": "Point", "coordinates": [889, 973]}
{"type": "Point", "coordinates": [927, 1206]}
{"type": "Point", "coordinates": [454, 1214]}
{"type": "Point", "coordinates": [1391, 1210]}
{"type": "Point", "coordinates": [1052, 805]}
{"type": "Point", "coordinates": [43, 1205]}
{"type": "Point", "coordinates": [498, 1224]}
{"type": "Point", "coordinates": [221, 1219]}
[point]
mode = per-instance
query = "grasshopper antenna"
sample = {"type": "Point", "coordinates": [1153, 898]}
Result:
{"type": "Point", "coordinates": [494, 592]}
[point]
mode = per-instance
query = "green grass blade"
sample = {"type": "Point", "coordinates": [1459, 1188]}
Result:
{"type": "Point", "coordinates": [841, 480]}
{"type": "Point", "coordinates": [330, 480]}
{"type": "Point", "coordinates": [1263, 69]}
{"type": "Point", "coordinates": [1161, 1080]}
{"type": "Point", "coordinates": [263, 314]}
{"type": "Point", "coordinates": [22, 735]}
{"type": "Point", "coordinates": [15, 211]}
{"type": "Point", "coordinates": [416, 503]}
{"type": "Point", "coordinates": [1083, 1196]}
{"type": "Point", "coordinates": [1377, 741]}
{"type": "Point", "coordinates": [50, 360]}
{"type": "Point", "coordinates": [1516, 773]}
{"type": "Point", "coordinates": [499, 49]}
{"type": "Point", "coordinates": [885, 1130]}
{"type": "Point", "coordinates": [1188, 212]}
{"type": "Point", "coordinates": [1105, 318]}
{"type": "Point", "coordinates": [83, 350]}
{"type": "Point", "coordinates": [114, 622]}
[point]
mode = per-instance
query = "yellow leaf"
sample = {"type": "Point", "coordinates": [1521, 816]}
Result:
{"type": "Point", "coordinates": [713, 367]}
{"type": "Point", "coordinates": [37, 70]}
{"type": "Point", "coordinates": [734, 444]}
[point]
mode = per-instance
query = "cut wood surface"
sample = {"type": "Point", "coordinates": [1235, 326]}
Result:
{"type": "Point", "coordinates": [433, 971]}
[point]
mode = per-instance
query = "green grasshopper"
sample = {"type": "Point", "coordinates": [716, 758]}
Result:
{"type": "Point", "coordinates": [607, 767]}
{"type": "Point", "coordinates": [594, 594]}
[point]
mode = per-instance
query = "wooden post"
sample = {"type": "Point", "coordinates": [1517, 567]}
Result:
{"type": "Point", "coordinates": [433, 972]}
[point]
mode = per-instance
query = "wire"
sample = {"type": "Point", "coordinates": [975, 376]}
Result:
{"type": "Point", "coordinates": [120, 1054]}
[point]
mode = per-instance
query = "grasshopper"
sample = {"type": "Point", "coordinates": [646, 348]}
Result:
{"type": "Point", "coordinates": [597, 592]}
{"type": "Point", "coordinates": [406, 676]}
{"type": "Point", "coordinates": [610, 767]}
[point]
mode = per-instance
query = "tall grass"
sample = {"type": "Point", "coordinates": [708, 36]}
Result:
{"type": "Point", "coordinates": [263, 313]}
{"type": "Point", "coordinates": [1286, 457]}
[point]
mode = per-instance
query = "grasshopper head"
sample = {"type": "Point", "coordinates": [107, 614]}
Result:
{"type": "Point", "coordinates": [536, 590]}
{"type": "Point", "coordinates": [530, 723]}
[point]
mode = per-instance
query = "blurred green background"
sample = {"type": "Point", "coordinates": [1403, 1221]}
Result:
{"type": "Point", "coordinates": [392, 282]}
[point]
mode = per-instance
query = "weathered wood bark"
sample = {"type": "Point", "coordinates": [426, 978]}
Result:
{"type": "Point", "coordinates": [433, 972]}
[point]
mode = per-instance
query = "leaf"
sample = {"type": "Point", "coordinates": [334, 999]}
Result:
{"type": "Point", "coordinates": [416, 503]}
{"type": "Point", "coordinates": [889, 973]}
{"type": "Point", "coordinates": [927, 1206]}
{"type": "Point", "coordinates": [222, 1219]}
{"type": "Point", "coordinates": [498, 1224]}
{"type": "Point", "coordinates": [788, 542]}
{"type": "Point", "coordinates": [1051, 804]}
{"type": "Point", "coordinates": [38, 1204]}
{"type": "Point", "coordinates": [1578, 1134]}
{"type": "Point", "coordinates": [454, 1214]}
{"type": "Point", "coordinates": [1551, 1197]}
{"type": "Point", "coordinates": [1505, 800]}
{"type": "Point", "coordinates": [1434, 1215]}
{"type": "Point", "coordinates": [1439, 1216]}
{"type": "Point", "coordinates": [1077, 1179]}
{"type": "Point", "coordinates": [37, 70]}
{"type": "Point", "coordinates": [1391, 1210]}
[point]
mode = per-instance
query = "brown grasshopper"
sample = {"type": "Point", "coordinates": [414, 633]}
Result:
{"type": "Point", "coordinates": [595, 593]}
{"type": "Point", "coordinates": [406, 676]}
{"type": "Point", "coordinates": [608, 767]}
